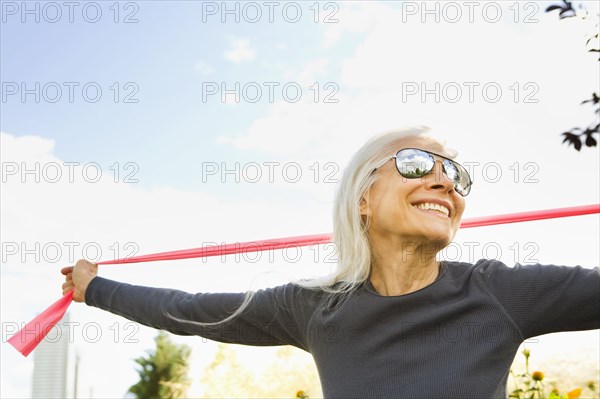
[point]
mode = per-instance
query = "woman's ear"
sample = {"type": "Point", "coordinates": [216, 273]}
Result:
{"type": "Point", "coordinates": [364, 205]}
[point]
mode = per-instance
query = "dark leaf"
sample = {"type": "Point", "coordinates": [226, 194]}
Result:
{"type": "Point", "coordinates": [553, 7]}
{"type": "Point", "coordinates": [568, 136]}
{"type": "Point", "coordinates": [571, 138]}
{"type": "Point", "coordinates": [590, 141]}
{"type": "Point", "coordinates": [594, 50]}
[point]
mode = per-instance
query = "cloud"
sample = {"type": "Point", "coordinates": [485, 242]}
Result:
{"type": "Point", "coordinates": [240, 51]}
{"type": "Point", "coordinates": [350, 17]}
{"type": "Point", "coordinates": [203, 68]}
{"type": "Point", "coordinates": [306, 76]}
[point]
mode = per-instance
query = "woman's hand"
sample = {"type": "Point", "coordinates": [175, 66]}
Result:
{"type": "Point", "coordinates": [78, 277]}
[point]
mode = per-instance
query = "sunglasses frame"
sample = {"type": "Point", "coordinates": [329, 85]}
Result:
{"type": "Point", "coordinates": [461, 169]}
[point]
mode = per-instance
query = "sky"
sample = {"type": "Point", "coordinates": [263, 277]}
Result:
{"type": "Point", "coordinates": [140, 127]}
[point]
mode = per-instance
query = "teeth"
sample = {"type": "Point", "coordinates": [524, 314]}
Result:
{"type": "Point", "coordinates": [436, 207]}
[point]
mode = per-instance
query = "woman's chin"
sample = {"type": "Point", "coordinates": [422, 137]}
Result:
{"type": "Point", "coordinates": [440, 239]}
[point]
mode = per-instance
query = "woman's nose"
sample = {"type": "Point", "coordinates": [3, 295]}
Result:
{"type": "Point", "coordinates": [438, 178]}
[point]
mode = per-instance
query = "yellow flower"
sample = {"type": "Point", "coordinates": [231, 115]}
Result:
{"type": "Point", "coordinates": [301, 395]}
{"type": "Point", "coordinates": [574, 394]}
{"type": "Point", "coordinates": [537, 376]}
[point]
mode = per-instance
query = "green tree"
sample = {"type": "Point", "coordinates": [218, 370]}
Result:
{"type": "Point", "coordinates": [163, 372]}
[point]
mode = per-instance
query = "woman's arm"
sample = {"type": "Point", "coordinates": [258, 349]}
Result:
{"type": "Point", "coordinates": [273, 317]}
{"type": "Point", "coordinates": [543, 299]}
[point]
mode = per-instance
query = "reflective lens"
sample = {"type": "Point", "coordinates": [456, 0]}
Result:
{"type": "Point", "coordinates": [413, 163]}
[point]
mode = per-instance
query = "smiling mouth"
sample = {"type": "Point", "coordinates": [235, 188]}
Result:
{"type": "Point", "coordinates": [433, 209]}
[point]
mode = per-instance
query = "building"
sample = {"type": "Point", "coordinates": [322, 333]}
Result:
{"type": "Point", "coordinates": [55, 364]}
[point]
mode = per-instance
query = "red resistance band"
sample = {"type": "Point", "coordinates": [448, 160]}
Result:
{"type": "Point", "coordinates": [26, 339]}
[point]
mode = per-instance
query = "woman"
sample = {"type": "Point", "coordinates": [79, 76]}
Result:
{"type": "Point", "coordinates": [392, 321]}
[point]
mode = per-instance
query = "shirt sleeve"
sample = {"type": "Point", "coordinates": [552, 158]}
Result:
{"type": "Point", "coordinates": [543, 299]}
{"type": "Point", "coordinates": [273, 316]}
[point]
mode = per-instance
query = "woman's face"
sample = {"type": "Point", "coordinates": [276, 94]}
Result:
{"type": "Point", "coordinates": [394, 203]}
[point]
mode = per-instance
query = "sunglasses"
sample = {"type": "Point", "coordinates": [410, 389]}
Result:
{"type": "Point", "coordinates": [413, 163]}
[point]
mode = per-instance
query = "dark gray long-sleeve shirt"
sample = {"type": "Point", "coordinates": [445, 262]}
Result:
{"type": "Point", "coordinates": [455, 338]}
